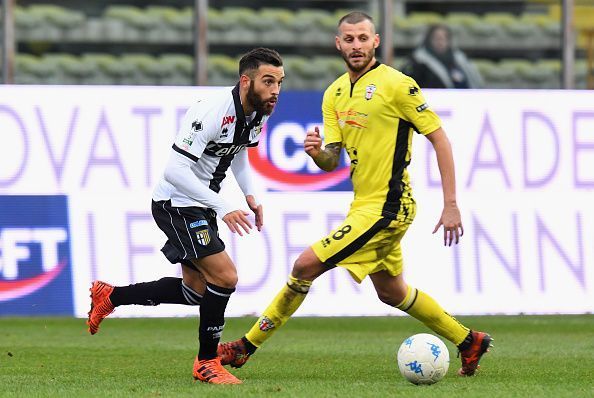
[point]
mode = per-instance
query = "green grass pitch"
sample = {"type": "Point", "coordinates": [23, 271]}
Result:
{"type": "Point", "coordinates": [534, 356]}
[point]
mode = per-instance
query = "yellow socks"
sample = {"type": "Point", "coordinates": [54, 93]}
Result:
{"type": "Point", "coordinates": [425, 309]}
{"type": "Point", "coordinates": [279, 311]}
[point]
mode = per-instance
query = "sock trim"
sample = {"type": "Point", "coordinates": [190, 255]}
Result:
{"type": "Point", "coordinates": [298, 285]}
{"type": "Point", "coordinates": [219, 291]}
{"type": "Point", "coordinates": [409, 300]}
{"type": "Point", "coordinates": [191, 296]}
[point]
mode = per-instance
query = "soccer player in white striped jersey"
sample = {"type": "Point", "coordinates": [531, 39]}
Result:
{"type": "Point", "coordinates": [214, 136]}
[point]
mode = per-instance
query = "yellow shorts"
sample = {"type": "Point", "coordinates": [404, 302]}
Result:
{"type": "Point", "coordinates": [364, 244]}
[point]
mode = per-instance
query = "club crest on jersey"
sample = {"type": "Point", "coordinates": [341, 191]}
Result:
{"type": "Point", "coordinates": [266, 324]}
{"type": "Point", "coordinates": [203, 237]}
{"type": "Point", "coordinates": [369, 90]}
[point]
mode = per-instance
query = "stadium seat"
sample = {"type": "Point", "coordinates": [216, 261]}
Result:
{"type": "Point", "coordinates": [222, 70]}
{"type": "Point", "coordinates": [182, 69]}
{"type": "Point", "coordinates": [501, 75]}
{"type": "Point", "coordinates": [462, 24]}
{"type": "Point", "coordinates": [43, 30]}
{"type": "Point", "coordinates": [130, 24]}
{"type": "Point", "coordinates": [239, 25]}
{"type": "Point", "coordinates": [32, 70]}
{"type": "Point", "coordinates": [535, 75]}
{"type": "Point", "coordinates": [312, 27]}
{"type": "Point", "coordinates": [515, 33]}
{"type": "Point", "coordinates": [148, 70]}
{"type": "Point", "coordinates": [114, 70]}
{"type": "Point", "coordinates": [175, 25]}
{"type": "Point", "coordinates": [410, 30]}
{"type": "Point", "coordinates": [484, 66]}
{"type": "Point", "coordinates": [274, 26]}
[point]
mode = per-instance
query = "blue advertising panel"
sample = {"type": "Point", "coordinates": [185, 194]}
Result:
{"type": "Point", "coordinates": [35, 265]}
{"type": "Point", "coordinates": [280, 158]}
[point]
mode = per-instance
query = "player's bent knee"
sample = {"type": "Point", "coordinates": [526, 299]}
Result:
{"type": "Point", "coordinates": [227, 279]}
{"type": "Point", "coordinates": [308, 266]}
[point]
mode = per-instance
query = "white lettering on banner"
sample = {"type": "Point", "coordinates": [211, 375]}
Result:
{"type": "Point", "coordinates": [13, 248]}
{"type": "Point", "coordinates": [525, 171]}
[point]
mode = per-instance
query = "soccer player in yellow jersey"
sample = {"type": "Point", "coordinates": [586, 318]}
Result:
{"type": "Point", "coordinates": [372, 112]}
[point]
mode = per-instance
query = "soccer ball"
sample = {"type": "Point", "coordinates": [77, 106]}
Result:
{"type": "Point", "coordinates": [423, 359]}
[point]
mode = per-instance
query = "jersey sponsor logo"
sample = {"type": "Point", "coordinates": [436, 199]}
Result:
{"type": "Point", "coordinates": [353, 118]}
{"type": "Point", "coordinates": [203, 237]}
{"type": "Point", "coordinates": [223, 149]}
{"type": "Point", "coordinates": [198, 223]}
{"type": "Point", "coordinates": [266, 324]}
{"type": "Point", "coordinates": [227, 120]}
{"type": "Point", "coordinates": [35, 274]}
{"type": "Point", "coordinates": [369, 90]}
{"type": "Point", "coordinates": [422, 107]}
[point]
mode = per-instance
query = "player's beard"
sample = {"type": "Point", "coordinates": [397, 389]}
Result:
{"type": "Point", "coordinates": [367, 57]}
{"type": "Point", "coordinates": [258, 103]}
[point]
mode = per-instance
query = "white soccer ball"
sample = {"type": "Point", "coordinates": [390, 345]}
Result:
{"type": "Point", "coordinates": [423, 359]}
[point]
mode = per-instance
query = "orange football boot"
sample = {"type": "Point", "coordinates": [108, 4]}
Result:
{"type": "Point", "coordinates": [233, 353]}
{"type": "Point", "coordinates": [211, 371]}
{"type": "Point", "coordinates": [101, 305]}
{"type": "Point", "coordinates": [472, 355]}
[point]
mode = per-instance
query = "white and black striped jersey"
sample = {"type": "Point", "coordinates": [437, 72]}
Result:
{"type": "Point", "coordinates": [213, 132]}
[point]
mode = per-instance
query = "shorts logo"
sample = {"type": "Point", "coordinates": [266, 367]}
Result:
{"type": "Point", "coordinates": [422, 107]}
{"type": "Point", "coordinates": [266, 324]}
{"type": "Point", "coordinates": [203, 237]}
{"type": "Point", "coordinates": [198, 223]}
{"type": "Point", "coordinates": [412, 90]}
{"type": "Point", "coordinates": [369, 90]}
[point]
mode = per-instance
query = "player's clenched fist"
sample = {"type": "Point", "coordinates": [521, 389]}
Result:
{"type": "Point", "coordinates": [313, 142]}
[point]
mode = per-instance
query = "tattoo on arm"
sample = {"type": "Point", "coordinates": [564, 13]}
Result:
{"type": "Point", "coordinates": [327, 159]}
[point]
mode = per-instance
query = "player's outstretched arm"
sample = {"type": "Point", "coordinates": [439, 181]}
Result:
{"type": "Point", "coordinates": [327, 158]}
{"type": "Point", "coordinates": [450, 216]}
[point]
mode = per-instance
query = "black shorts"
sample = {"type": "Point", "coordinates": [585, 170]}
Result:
{"type": "Point", "coordinates": [192, 232]}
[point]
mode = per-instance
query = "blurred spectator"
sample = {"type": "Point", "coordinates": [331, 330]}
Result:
{"type": "Point", "coordinates": [436, 63]}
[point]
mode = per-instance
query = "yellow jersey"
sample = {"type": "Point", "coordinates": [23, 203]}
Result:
{"type": "Point", "coordinates": [374, 119]}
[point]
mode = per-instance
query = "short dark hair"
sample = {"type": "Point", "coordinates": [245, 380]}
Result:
{"type": "Point", "coordinates": [252, 60]}
{"type": "Point", "coordinates": [355, 17]}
